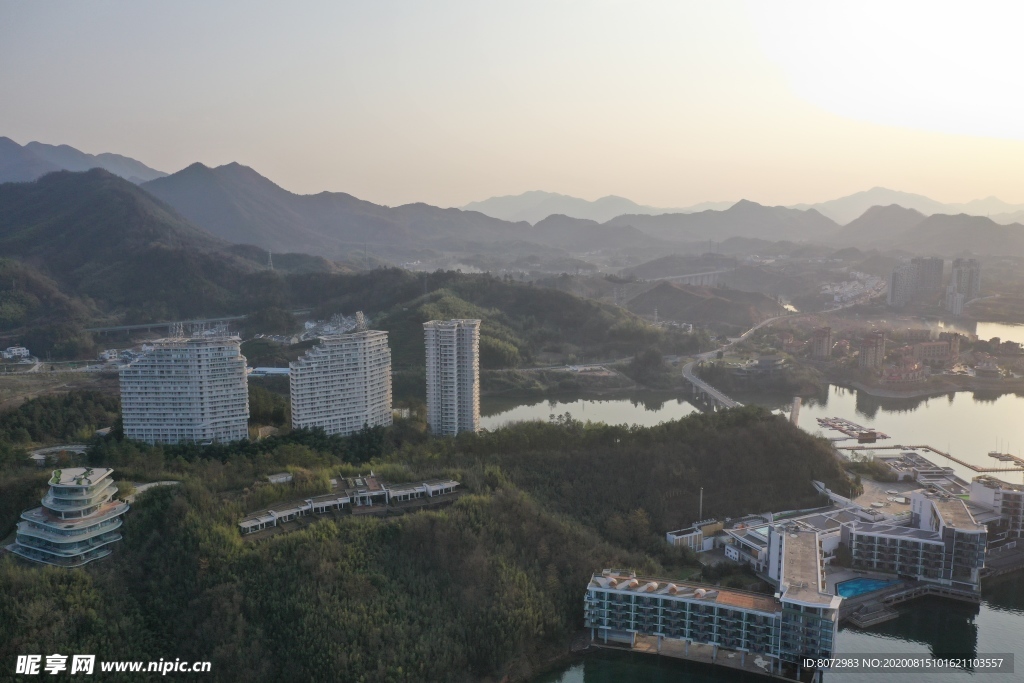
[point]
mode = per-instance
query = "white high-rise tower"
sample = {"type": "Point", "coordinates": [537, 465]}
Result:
{"type": "Point", "coordinates": [187, 390]}
{"type": "Point", "coordinates": [453, 375]}
{"type": "Point", "coordinates": [343, 384]}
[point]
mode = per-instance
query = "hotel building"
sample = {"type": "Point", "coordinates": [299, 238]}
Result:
{"type": "Point", "coordinates": [453, 375]}
{"type": "Point", "coordinates": [187, 390]}
{"type": "Point", "coordinates": [800, 621]}
{"type": "Point", "coordinates": [343, 384]}
{"type": "Point", "coordinates": [944, 544]}
{"type": "Point", "coordinates": [77, 522]}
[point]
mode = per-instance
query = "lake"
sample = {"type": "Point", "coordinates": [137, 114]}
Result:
{"type": "Point", "coordinates": [966, 424]}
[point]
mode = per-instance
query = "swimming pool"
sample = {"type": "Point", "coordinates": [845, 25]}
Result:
{"type": "Point", "coordinates": [853, 587]}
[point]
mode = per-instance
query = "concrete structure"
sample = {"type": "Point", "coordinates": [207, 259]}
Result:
{"type": "Point", "coordinates": [358, 495]}
{"type": "Point", "coordinates": [801, 620]}
{"type": "Point", "coordinates": [966, 278]}
{"type": "Point", "coordinates": [907, 371]}
{"type": "Point", "coordinates": [928, 279]}
{"type": "Point", "coordinates": [698, 537]}
{"type": "Point", "coordinates": [1005, 499]}
{"type": "Point", "coordinates": [343, 384]}
{"type": "Point", "coordinates": [77, 523]}
{"type": "Point", "coordinates": [453, 375]}
{"type": "Point", "coordinates": [872, 351]}
{"type": "Point", "coordinates": [944, 543]}
{"type": "Point", "coordinates": [902, 285]}
{"type": "Point", "coordinates": [15, 353]}
{"type": "Point", "coordinates": [955, 300]}
{"type": "Point", "coordinates": [187, 390]}
{"type": "Point", "coordinates": [941, 352]}
{"type": "Point", "coordinates": [821, 343]}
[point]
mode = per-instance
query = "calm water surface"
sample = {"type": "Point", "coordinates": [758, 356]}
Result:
{"type": "Point", "coordinates": [965, 424]}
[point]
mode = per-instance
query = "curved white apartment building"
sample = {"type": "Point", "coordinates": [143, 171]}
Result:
{"type": "Point", "coordinates": [343, 384]}
{"type": "Point", "coordinates": [187, 390]}
{"type": "Point", "coordinates": [77, 523]}
{"type": "Point", "coordinates": [453, 375]}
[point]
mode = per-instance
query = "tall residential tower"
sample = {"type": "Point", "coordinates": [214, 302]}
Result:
{"type": "Point", "coordinates": [187, 390]}
{"type": "Point", "coordinates": [453, 375]}
{"type": "Point", "coordinates": [343, 384]}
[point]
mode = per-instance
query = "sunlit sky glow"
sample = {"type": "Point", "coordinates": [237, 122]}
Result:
{"type": "Point", "coordinates": [668, 103]}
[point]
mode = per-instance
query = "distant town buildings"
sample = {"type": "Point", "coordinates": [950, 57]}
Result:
{"type": "Point", "coordinates": [453, 375]}
{"type": "Point", "coordinates": [343, 384]}
{"type": "Point", "coordinates": [927, 279]}
{"type": "Point", "coordinates": [872, 351]}
{"type": "Point", "coordinates": [964, 284]}
{"type": "Point", "coordinates": [902, 285]}
{"type": "Point", "coordinates": [821, 343]}
{"type": "Point", "coordinates": [941, 352]}
{"type": "Point", "coordinates": [78, 521]}
{"type": "Point", "coordinates": [186, 390]}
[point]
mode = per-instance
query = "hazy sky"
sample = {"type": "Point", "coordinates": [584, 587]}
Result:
{"type": "Point", "coordinates": [668, 103]}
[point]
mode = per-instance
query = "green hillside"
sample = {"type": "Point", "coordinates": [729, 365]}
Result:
{"type": "Point", "coordinates": [487, 588]}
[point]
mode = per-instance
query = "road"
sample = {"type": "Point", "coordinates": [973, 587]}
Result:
{"type": "Point", "coordinates": [142, 488]}
{"type": "Point", "coordinates": [717, 395]}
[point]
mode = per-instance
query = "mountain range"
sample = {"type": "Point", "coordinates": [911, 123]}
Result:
{"type": "Point", "coordinates": [235, 205]}
{"type": "Point", "coordinates": [24, 163]}
{"type": "Point", "coordinates": [536, 205]}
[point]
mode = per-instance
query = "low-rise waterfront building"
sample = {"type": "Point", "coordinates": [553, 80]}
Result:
{"type": "Point", "coordinates": [800, 621]}
{"type": "Point", "coordinates": [1005, 499]}
{"type": "Point", "coordinates": [943, 543]}
{"type": "Point", "coordinates": [78, 521]}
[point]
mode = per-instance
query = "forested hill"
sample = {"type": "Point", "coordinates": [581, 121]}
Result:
{"type": "Point", "coordinates": [488, 588]}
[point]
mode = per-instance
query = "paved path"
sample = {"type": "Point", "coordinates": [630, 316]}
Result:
{"type": "Point", "coordinates": [142, 488]}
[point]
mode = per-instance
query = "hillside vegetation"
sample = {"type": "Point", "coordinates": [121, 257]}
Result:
{"type": "Point", "coordinates": [489, 587]}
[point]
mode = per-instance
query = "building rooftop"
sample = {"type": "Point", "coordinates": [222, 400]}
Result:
{"type": "Point", "coordinates": [896, 530]}
{"type": "Point", "coordinates": [993, 483]}
{"type": "Point", "coordinates": [78, 476]}
{"type": "Point", "coordinates": [629, 582]}
{"type": "Point", "coordinates": [802, 570]}
{"type": "Point", "coordinates": [953, 511]}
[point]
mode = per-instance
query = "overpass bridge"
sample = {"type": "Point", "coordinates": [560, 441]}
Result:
{"type": "Point", "coordinates": [705, 391]}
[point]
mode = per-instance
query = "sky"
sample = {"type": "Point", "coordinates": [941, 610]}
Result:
{"type": "Point", "coordinates": [667, 102]}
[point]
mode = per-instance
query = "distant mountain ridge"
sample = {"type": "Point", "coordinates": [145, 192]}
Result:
{"type": "Point", "coordinates": [536, 205]}
{"type": "Point", "coordinates": [26, 163]}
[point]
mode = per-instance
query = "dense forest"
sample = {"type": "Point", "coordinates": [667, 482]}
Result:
{"type": "Point", "coordinates": [489, 587]}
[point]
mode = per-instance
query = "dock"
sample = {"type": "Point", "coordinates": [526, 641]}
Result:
{"type": "Point", "coordinates": [931, 449]}
{"type": "Point", "coordinates": [850, 429]}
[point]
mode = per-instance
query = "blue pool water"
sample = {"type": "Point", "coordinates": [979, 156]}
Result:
{"type": "Point", "coordinates": [848, 589]}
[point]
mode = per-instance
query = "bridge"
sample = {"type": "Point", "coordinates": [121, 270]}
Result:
{"type": "Point", "coordinates": [708, 279]}
{"type": "Point", "coordinates": [705, 391]}
{"type": "Point", "coordinates": [169, 326]}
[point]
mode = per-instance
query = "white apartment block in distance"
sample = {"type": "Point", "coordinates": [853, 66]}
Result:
{"type": "Point", "coordinates": [453, 375]}
{"type": "Point", "coordinates": [187, 390]}
{"type": "Point", "coordinates": [343, 384]}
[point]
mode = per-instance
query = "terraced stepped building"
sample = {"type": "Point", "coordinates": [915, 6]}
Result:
{"type": "Point", "coordinates": [77, 523]}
